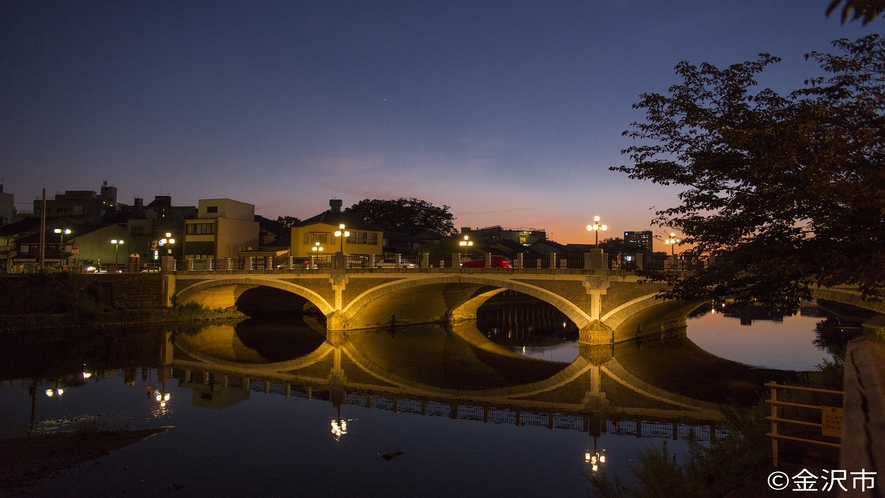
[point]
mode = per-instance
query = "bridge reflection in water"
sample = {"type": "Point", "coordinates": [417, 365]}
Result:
{"type": "Point", "coordinates": [643, 389]}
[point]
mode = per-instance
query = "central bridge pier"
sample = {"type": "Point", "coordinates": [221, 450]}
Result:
{"type": "Point", "coordinates": [607, 307]}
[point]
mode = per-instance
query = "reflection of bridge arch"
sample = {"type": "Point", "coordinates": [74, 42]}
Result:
{"type": "Point", "coordinates": [324, 368]}
{"type": "Point", "coordinates": [307, 360]}
{"type": "Point", "coordinates": [223, 293]}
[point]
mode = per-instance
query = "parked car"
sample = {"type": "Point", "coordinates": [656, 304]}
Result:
{"type": "Point", "coordinates": [497, 262]}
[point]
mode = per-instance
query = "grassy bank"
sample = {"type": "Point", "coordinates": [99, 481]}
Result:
{"type": "Point", "coordinates": [723, 466]}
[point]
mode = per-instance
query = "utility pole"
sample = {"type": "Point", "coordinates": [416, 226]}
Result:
{"type": "Point", "coordinates": [43, 231]}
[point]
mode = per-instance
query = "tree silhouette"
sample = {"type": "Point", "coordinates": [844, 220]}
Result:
{"type": "Point", "coordinates": [785, 192]}
{"type": "Point", "coordinates": [866, 10]}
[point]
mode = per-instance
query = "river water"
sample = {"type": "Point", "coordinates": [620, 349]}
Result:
{"type": "Point", "coordinates": [271, 409]}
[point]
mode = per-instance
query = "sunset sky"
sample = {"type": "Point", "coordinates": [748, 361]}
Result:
{"type": "Point", "coordinates": [509, 112]}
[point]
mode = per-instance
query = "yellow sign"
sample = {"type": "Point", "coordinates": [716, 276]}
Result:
{"type": "Point", "coordinates": [832, 421]}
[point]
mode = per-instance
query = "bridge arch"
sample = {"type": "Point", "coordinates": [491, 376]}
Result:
{"type": "Point", "coordinates": [475, 290]}
{"type": "Point", "coordinates": [223, 293]}
{"type": "Point", "coordinates": [618, 315]}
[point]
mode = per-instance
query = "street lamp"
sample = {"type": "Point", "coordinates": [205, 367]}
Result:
{"type": "Point", "coordinates": [116, 248]}
{"type": "Point", "coordinates": [61, 242]}
{"type": "Point", "coordinates": [596, 227]}
{"type": "Point", "coordinates": [168, 241]}
{"type": "Point", "coordinates": [465, 244]}
{"type": "Point", "coordinates": [316, 249]}
{"type": "Point", "coordinates": [341, 232]}
{"type": "Point", "coordinates": [672, 241]}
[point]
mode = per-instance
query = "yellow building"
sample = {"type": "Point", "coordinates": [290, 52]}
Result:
{"type": "Point", "coordinates": [223, 228]}
{"type": "Point", "coordinates": [319, 232]}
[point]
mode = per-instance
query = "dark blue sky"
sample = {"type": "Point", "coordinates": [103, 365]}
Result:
{"type": "Point", "coordinates": [508, 112]}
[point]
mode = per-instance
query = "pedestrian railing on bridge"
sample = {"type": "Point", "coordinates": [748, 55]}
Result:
{"type": "Point", "coordinates": [286, 264]}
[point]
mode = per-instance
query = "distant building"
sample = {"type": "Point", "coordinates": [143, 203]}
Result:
{"type": "Point", "coordinates": [493, 234]}
{"type": "Point", "coordinates": [64, 243]}
{"type": "Point", "coordinates": [318, 232]}
{"type": "Point", "coordinates": [91, 245]}
{"type": "Point", "coordinates": [398, 242]}
{"type": "Point", "coordinates": [81, 206]}
{"type": "Point", "coordinates": [222, 229]}
{"type": "Point", "coordinates": [643, 239]}
{"type": "Point", "coordinates": [7, 207]}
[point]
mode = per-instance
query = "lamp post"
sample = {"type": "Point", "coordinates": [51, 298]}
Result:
{"type": "Point", "coordinates": [672, 241]}
{"type": "Point", "coordinates": [316, 250]}
{"type": "Point", "coordinates": [116, 243]}
{"type": "Point", "coordinates": [341, 259]}
{"type": "Point", "coordinates": [61, 242]}
{"type": "Point", "coordinates": [596, 227]}
{"type": "Point", "coordinates": [168, 242]}
{"type": "Point", "coordinates": [465, 244]}
{"type": "Point", "coordinates": [341, 232]}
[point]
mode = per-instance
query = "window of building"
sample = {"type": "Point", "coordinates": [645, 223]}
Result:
{"type": "Point", "coordinates": [200, 228]}
{"type": "Point", "coordinates": [321, 237]}
{"type": "Point", "coordinates": [365, 238]}
{"type": "Point", "coordinates": [211, 209]}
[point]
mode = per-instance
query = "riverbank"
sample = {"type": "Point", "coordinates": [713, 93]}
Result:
{"type": "Point", "coordinates": [86, 318]}
{"type": "Point", "coordinates": [28, 460]}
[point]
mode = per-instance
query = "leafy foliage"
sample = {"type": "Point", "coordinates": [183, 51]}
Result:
{"type": "Point", "coordinates": [783, 191]}
{"type": "Point", "coordinates": [614, 245]}
{"type": "Point", "coordinates": [411, 216]}
{"type": "Point", "coordinates": [287, 221]}
{"type": "Point", "coordinates": [866, 10]}
{"type": "Point", "coordinates": [703, 471]}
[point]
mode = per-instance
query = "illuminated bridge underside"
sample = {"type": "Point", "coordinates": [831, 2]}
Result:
{"type": "Point", "coordinates": [354, 301]}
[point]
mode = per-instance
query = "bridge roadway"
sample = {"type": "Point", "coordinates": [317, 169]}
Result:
{"type": "Point", "coordinates": [607, 306]}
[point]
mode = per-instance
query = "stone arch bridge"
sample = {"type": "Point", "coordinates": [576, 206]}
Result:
{"type": "Point", "coordinates": [606, 306]}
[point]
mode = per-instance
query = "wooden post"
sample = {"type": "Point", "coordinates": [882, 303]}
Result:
{"type": "Point", "coordinates": [773, 426]}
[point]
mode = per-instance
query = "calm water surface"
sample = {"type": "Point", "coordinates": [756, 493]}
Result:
{"type": "Point", "coordinates": [468, 419]}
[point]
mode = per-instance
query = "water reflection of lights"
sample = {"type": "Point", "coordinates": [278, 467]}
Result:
{"type": "Point", "coordinates": [594, 459]}
{"type": "Point", "coordinates": [162, 399]}
{"type": "Point", "coordinates": [339, 428]}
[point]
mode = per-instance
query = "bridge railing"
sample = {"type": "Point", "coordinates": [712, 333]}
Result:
{"type": "Point", "coordinates": [571, 263]}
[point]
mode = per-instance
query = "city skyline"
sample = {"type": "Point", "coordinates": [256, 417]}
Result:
{"type": "Point", "coordinates": [510, 113]}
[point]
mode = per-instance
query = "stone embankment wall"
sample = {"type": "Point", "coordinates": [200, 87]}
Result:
{"type": "Point", "coordinates": [66, 292]}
